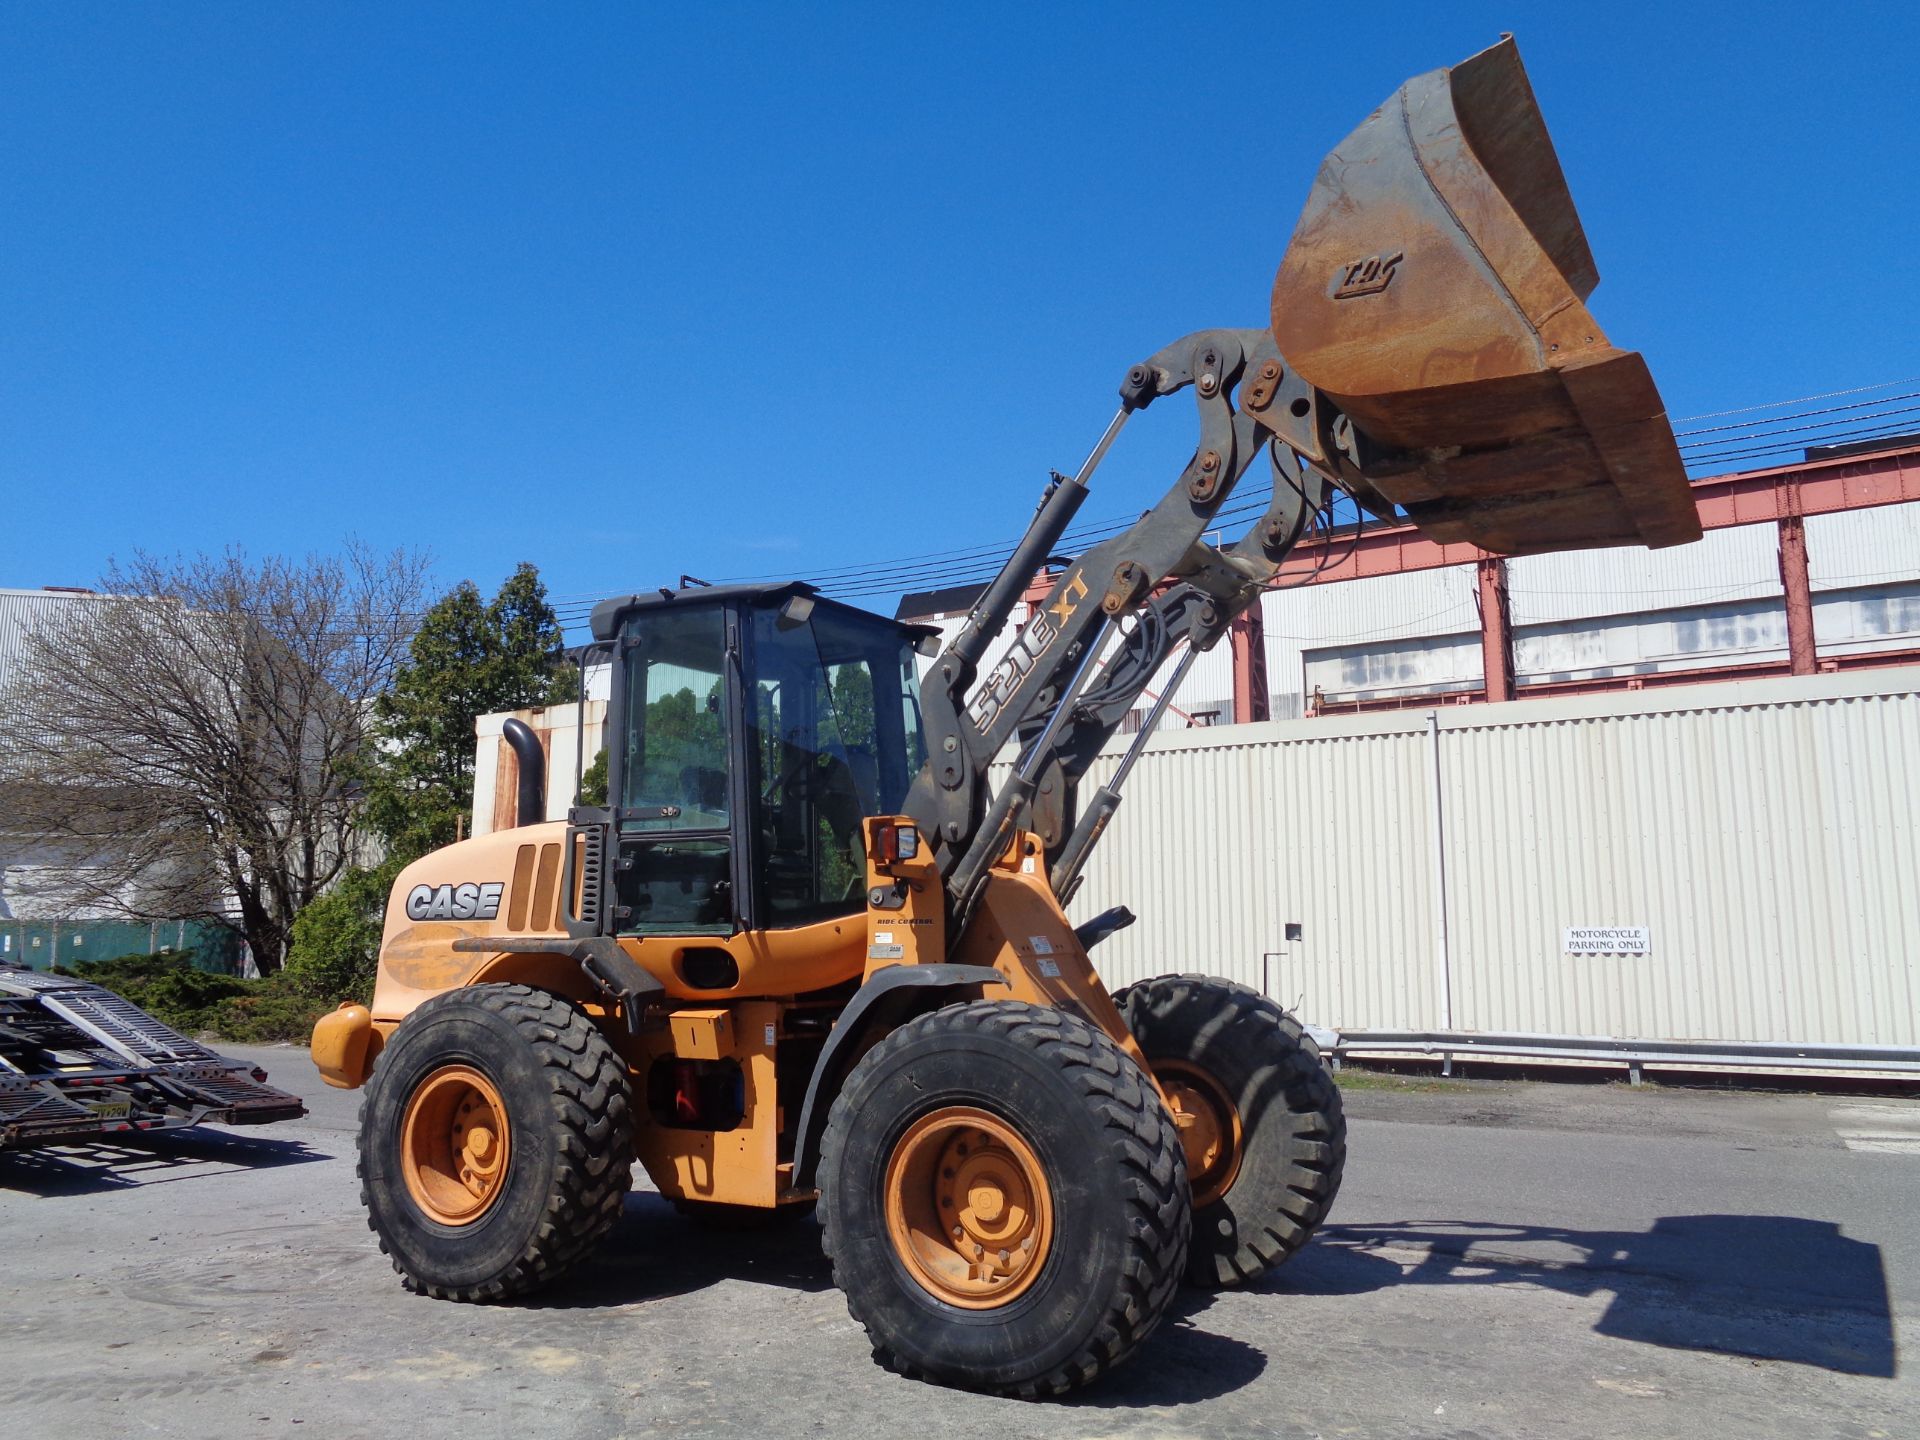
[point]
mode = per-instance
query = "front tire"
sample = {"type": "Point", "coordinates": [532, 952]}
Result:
{"type": "Point", "coordinates": [1265, 1136]}
{"type": "Point", "coordinates": [496, 1142]}
{"type": "Point", "coordinates": [1003, 1199]}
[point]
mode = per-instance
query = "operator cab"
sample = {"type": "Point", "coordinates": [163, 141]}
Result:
{"type": "Point", "coordinates": [750, 730]}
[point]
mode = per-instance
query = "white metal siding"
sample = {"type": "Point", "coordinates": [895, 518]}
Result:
{"type": "Point", "coordinates": [1765, 832]}
{"type": "Point", "coordinates": [1860, 547]}
{"type": "Point", "coordinates": [1419, 604]}
{"type": "Point", "coordinates": [1427, 665]}
{"type": "Point", "coordinates": [1740, 563]}
{"type": "Point", "coordinates": [1873, 617]}
{"type": "Point", "coordinates": [1693, 637]}
{"type": "Point", "coordinates": [1745, 838]}
{"type": "Point", "coordinates": [1226, 836]}
{"type": "Point", "coordinates": [24, 613]}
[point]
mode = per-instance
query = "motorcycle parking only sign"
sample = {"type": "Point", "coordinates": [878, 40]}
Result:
{"type": "Point", "coordinates": [1606, 940]}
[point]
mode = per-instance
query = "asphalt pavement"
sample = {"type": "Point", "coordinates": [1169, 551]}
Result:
{"type": "Point", "coordinates": [1505, 1260]}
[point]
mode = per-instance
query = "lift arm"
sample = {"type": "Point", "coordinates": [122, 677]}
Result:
{"type": "Point", "coordinates": [1117, 612]}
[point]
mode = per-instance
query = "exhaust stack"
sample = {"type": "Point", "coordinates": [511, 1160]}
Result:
{"type": "Point", "coordinates": [530, 797]}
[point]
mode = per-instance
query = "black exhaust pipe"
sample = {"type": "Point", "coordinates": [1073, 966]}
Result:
{"type": "Point", "coordinates": [530, 804]}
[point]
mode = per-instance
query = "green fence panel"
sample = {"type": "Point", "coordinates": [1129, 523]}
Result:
{"type": "Point", "coordinates": [72, 944]}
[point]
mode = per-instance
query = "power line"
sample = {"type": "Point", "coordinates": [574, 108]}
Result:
{"type": "Point", "coordinates": [1748, 436]}
{"type": "Point", "coordinates": [1810, 442]}
{"type": "Point", "coordinates": [1802, 400]}
{"type": "Point", "coordinates": [1829, 410]}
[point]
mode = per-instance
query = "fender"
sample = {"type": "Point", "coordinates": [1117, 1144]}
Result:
{"type": "Point", "coordinates": [610, 968]}
{"type": "Point", "coordinates": [893, 996]}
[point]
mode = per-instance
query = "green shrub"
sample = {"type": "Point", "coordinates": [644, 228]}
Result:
{"type": "Point", "coordinates": [167, 987]}
{"type": "Point", "coordinates": [336, 939]}
{"type": "Point", "coordinates": [272, 1012]}
{"type": "Point", "coordinates": [593, 781]}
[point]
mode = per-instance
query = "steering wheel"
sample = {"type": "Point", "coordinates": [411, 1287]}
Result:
{"type": "Point", "coordinates": [796, 771]}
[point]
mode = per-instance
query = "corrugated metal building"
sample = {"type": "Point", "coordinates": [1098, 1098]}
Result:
{"type": "Point", "coordinates": [1413, 870]}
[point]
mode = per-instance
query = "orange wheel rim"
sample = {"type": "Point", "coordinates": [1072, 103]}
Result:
{"type": "Point", "coordinates": [969, 1209]}
{"type": "Point", "coordinates": [455, 1142]}
{"type": "Point", "coordinates": [1209, 1126]}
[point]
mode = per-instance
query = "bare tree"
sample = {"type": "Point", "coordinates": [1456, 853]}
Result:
{"type": "Point", "coordinates": [186, 744]}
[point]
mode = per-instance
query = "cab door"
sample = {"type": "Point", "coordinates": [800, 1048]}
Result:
{"type": "Point", "coordinates": [678, 794]}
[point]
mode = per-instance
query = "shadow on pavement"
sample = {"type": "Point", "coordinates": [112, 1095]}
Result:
{"type": "Point", "coordinates": [155, 1159]}
{"type": "Point", "coordinates": [1181, 1364]}
{"type": "Point", "coordinates": [1771, 1287]}
{"type": "Point", "coordinates": [655, 1252]}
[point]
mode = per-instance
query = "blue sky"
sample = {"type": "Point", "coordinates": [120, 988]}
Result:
{"type": "Point", "coordinates": [729, 290]}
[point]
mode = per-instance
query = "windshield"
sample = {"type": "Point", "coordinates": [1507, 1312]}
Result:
{"type": "Point", "coordinates": [836, 737]}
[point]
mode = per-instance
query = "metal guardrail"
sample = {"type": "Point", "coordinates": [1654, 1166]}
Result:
{"type": "Point", "coordinates": [1450, 1045]}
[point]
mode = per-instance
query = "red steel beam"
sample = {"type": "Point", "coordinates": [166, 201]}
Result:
{"type": "Point", "coordinates": [1797, 586]}
{"type": "Point", "coordinates": [1748, 497]}
{"type": "Point", "coordinates": [1496, 630]}
{"type": "Point", "coordinates": [1248, 637]}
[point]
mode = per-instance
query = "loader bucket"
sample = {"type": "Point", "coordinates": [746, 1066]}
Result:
{"type": "Point", "coordinates": [1435, 290]}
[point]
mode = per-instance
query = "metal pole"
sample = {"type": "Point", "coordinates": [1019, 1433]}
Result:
{"type": "Point", "coordinates": [1443, 956]}
{"type": "Point", "coordinates": [1152, 722]}
{"type": "Point", "coordinates": [1797, 588]}
{"type": "Point", "coordinates": [1099, 451]}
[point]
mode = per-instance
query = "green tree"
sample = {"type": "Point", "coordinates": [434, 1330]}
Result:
{"type": "Point", "coordinates": [593, 783]}
{"type": "Point", "coordinates": [470, 657]}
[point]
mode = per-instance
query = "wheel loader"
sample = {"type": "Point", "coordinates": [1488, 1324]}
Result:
{"type": "Point", "coordinates": [811, 953]}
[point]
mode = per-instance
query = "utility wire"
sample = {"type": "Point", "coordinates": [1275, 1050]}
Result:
{"type": "Point", "coordinates": [1823, 427]}
{"type": "Point", "coordinates": [1804, 399]}
{"type": "Point", "coordinates": [1829, 410]}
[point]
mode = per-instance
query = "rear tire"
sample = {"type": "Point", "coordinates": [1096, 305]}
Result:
{"type": "Point", "coordinates": [1025, 1123]}
{"type": "Point", "coordinates": [552, 1095]}
{"type": "Point", "coordinates": [1208, 1038]}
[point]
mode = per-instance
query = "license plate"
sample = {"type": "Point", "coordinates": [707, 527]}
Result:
{"type": "Point", "coordinates": [111, 1109]}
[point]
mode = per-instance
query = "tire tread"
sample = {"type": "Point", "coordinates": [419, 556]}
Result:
{"type": "Point", "coordinates": [593, 1126]}
{"type": "Point", "coordinates": [1316, 1153]}
{"type": "Point", "coordinates": [1116, 1092]}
